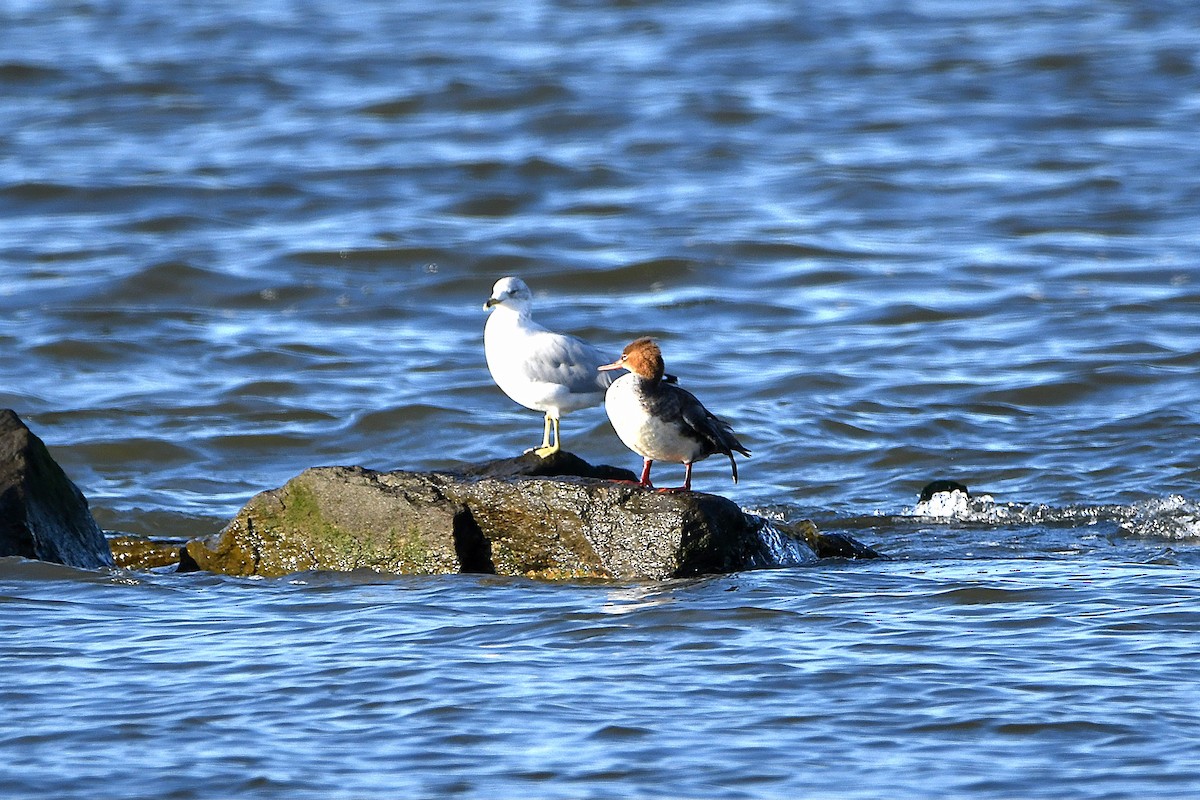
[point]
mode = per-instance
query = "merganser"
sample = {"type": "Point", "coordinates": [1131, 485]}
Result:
{"type": "Point", "coordinates": [545, 371]}
{"type": "Point", "coordinates": [661, 421]}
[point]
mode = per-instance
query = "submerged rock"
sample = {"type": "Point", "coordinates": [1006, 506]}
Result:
{"type": "Point", "coordinates": [495, 518]}
{"type": "Point", "coordinates": [825, 545]}
{"type": "Point", "coordinates": [145, 552]}
{"type": "Point", "coordinates": [43, 515]}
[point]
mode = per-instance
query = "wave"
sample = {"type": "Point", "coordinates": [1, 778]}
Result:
{"type": "Point", "coordinates": [1171, 517]}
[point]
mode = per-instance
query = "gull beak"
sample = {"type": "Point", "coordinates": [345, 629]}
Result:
{"type": "Point", "coordinates": [491, 301]}
{"type": "Point", "coordinates": [615, 365]}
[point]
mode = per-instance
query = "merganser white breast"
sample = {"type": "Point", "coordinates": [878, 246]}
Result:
{"type": "Point", "coordinates": [545, 371]}
{"type": "Point", "coordinates": [661, 421]}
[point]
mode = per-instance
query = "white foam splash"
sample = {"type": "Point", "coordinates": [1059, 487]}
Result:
{"type": "Point", "coordinates": [948, 505]}
{"type": "Point", "coordinates": [1171, 517]}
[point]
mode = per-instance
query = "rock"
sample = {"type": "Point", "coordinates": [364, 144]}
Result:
{"type": "Point", "coordinates": [141, 553]}
{"type": "Point", "coordinates": [43, 515]}
{"type": "Point", "coordinates": [560, 464]}
{"type": "Point", "coordinates": [504, 517]}
{"type": "Point", "coordinates": [492, 518]}
{"type": "Point", "coordinates": [937, 487]}
{"type": "Point", "coordinates": [340, 518]}
{"type": "Point", "coordinates": [826, 545]}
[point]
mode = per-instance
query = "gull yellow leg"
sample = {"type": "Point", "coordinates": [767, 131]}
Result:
{"type": "Point", "coordinates": [547, 449]}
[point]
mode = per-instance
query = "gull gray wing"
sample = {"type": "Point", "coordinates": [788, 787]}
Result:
{"type": "Point", "coordinates": [568, 361]}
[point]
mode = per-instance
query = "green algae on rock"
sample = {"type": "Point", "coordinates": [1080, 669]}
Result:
{"type": "Point", "coordinates": [334, 518]}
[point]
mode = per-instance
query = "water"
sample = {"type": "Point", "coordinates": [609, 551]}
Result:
{"type": "Point", "coordinates": [1012, 678]}
{"type": "Point", "coordinates": [891, 243]}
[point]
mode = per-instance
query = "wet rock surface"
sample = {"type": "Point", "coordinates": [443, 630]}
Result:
{"type": "Point", "coordinates": [823, 544]}
{"type": "Point", "coordinates": [43, 515]}
{"type": "Point", "coordinates": [559, 465]}
{"type": "Point", "coordinates": [145, 552]}
{"type": "Point", "coordinates": [526, 516]}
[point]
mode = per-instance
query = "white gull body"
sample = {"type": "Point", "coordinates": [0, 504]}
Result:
{"type": "Point", "coordinates": [542, 370]}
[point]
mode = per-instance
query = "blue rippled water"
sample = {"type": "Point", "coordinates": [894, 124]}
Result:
{"type": "Point", "coordinates": [1010, 679]}
{"type": "Point", "coordinates": [890, 242]}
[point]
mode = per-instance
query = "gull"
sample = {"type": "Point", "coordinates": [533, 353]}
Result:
{"type": "Point", "coordinates": [661, 421]}
{"type": "Point", "coordinates": [545, 371]}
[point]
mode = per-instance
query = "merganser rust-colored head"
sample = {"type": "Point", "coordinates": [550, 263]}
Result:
{"type": "Point", "coordinates": [641, 357]}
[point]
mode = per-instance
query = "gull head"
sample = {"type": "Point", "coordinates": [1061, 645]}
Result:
{"type": "Point", "coordinates": [511, 293]}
